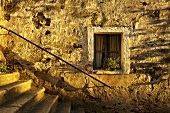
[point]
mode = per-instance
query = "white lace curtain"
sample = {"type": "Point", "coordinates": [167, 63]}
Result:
{"type": "Point", "coordinates": [100, 48]}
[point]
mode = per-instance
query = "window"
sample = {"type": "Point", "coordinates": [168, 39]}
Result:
{"type": "Point", "coordinates": [106, 46]}
{"type": "Point", "coordinates": [108, 42]}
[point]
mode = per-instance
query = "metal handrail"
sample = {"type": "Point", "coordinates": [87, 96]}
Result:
{"type": "Point", "coordinates": [56, 56]}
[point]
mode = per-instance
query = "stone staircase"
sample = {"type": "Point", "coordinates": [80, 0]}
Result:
{"type": "Point", "coordinates": [17, 96]}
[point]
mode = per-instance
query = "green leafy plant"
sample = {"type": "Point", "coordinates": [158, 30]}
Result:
{"type": "Point", "coordinates": [111, 64]}
{"type": "Point", "coordinates": [3, 67]}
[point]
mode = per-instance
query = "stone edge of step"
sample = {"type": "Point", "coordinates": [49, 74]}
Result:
{"type": "Point", "coordinates": [9, 78]}
{"type": "Point", "coordinates": [47, 105]}
{"type": "Point", "coordinates": [11, 91]}
{"type": "Point", "coordinates": [25, 104]}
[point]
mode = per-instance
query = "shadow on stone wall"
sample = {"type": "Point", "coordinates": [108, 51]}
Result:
{"type": "Point", "coordinates": [127, 101]}
{"type": "Point", "coordinates": [152, 54]}
{"type": "Point", "coordinates": [130, 99]}
{"type": "Point", "coordinates": [121, 100]}
{"type": "Point", "coordinates": [41, 78]}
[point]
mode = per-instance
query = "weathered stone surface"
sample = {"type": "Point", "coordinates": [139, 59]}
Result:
{"type": "Point", "coordinates": [9, 78]}
{"type": "Point", "coordinates": [61, 27]}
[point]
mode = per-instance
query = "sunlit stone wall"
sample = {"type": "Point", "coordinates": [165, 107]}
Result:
{"type": "Point", "coordinates": [61, 27]}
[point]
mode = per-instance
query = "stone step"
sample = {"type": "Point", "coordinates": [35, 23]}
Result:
{"type": "Point", "coordinates": [64, 107]}
{"type": "Point", "coordinates": [23, 102]}
{"type": "Point", "coordinates": [9, 78]}
{"type": "Point", "coordinates": [12, 90]}
{"type": "Point", "coordinates": [47, 105]}
{"type": "Point", "coordinates": [77, 110]}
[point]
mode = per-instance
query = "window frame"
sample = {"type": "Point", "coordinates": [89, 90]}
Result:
{"type": "Point", "coordinates": [125, 51]}
{"type": "Point", "coordinates": [106, 38]}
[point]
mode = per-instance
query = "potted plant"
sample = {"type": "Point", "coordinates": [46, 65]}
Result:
{"type": "Point", "coordinates": [111, 64]}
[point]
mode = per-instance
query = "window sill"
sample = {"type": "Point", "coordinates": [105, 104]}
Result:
{"type": "Point", "coordinates": [117, 71]}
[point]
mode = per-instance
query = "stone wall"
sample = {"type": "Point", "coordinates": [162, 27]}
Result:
{"type": "Point", "coordinates": [60, 26]}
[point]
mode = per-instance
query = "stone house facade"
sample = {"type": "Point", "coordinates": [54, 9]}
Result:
{"type": "Point", "coordinates": [69, 29]}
